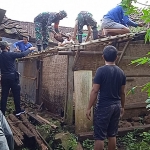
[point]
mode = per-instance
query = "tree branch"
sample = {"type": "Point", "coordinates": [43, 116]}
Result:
{"type": "Point", "coordinates": [142, 4]}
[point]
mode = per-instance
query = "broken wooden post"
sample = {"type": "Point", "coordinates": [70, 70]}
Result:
{"type": "Point", "coordinates": [33, 130]}
{"type": "Point", "coordinates": [82, 89]}
{"type": "Point", "coordinates": [21, 126]}
{"type": "Point", "coordinates": [69, 95]}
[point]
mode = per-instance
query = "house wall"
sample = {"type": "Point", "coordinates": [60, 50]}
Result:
{"type": "Point", "coordinates": [54, 75]}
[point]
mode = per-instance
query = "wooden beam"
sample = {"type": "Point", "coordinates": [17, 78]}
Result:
{"type": "Point", "coordinates": [47, 122]}
{"type": "Point", "coordinates": [121, 132]}
{"type": "Point", "coordinates": [123, 52]}
{"type": "Point", "coordinates": [83, 53]}
{"type": "Point", "coordinates": [76, 59]}
{"type": "Point", "coordinates": [138, 75]}
{"type": "Point", "coordinates": [82, 89]}
{"type": "Point", "coordinates": [69, 97]}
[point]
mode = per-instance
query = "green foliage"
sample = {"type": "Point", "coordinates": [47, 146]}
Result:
{"type": "Point", "coordinates": [88, 144]}
{"type": "Point", "coordinates": [146, 14]}
{"type": "Point", "coordinates": [72, 143]}
{"type": "Point", "coordinates": [147, 36]}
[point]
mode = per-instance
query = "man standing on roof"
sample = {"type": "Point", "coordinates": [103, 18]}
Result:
{"type": "Point", "coordinates": [116, 21]}
{"type": "Point", "coordinates": [85, 18]}
{"type": "Point", "coordinates": [43, 26]}
{"type": "Point", "coordinates": [22, 45]}
{"type": "Point", "coordinates": [9, 76]}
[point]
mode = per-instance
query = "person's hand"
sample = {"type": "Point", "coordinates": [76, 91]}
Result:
{"type": "Point", "coordinates": [32, 48]}
{"type": "Point", "coordinates": [141, 24]}
{"type": "Point", "coordinates": [74, 38]}
{"type": "Point", "coordinates": [58, 35]}
{"type": "Point", "coordinates": [17, 50]}
{"type": "Point", "coordinates": [88, 114]}
{"type": "Point", "coordinates": [122, 112]}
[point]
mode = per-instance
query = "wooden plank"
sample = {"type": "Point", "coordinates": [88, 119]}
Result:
{"type": "Point", "coordinates": [123, 52]}
{"type": "Point", "coordinates": [69, 97]}
{"type": "Point", "coordinates": [47, 122]}
{"type": "Point", "coordinates": [72, 53]}
{"type": "Point", "coordinates": [135, 106]}
{"type": "Point", "coordinates": [82, 89]}
{"type": "Point", "coordinates": [76, 59]}
{"type": "Point", "coordinates": [138, 75]}
{"type": "Point", "coordinates": [121, 132]}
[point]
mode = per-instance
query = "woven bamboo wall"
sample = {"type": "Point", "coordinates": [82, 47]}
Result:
{"type": "Point", "coordinates": [54, 83]}
{"type": "Point", "coordinates": [92, 62]}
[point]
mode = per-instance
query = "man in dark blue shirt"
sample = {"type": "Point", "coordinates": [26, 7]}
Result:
{"type": "Point", "coordinates": [117, 22]}
{"type": "Point", "coordinates": [9, 75]}
{"type": "Point", "coordinates": [109, 85]}
{"type": "Point", "coordinates": [22, 45]}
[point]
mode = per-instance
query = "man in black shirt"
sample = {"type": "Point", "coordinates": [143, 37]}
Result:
{"type": "Point", "coordinates": [9, 75]}
{"type": "Point", "coordinates": [109, 85]}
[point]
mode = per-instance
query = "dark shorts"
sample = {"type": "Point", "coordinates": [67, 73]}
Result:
{"type": "Point", "coordinates": [106, 122]}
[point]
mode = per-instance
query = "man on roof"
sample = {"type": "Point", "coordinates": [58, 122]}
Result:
{"type": "Point", "coordinates": [85, 18]}
{"type": "Point", "coordinates": [117, 22]}
{"type": "Point", "coordinates": [22, 45]}
{"type": "Point", "coordinates": [43, 27]}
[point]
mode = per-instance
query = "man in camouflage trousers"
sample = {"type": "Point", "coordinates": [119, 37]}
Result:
{"type": "Point", "coordinates": [43, 27]}
{"type": "Point", "coordinates": [85, 18]}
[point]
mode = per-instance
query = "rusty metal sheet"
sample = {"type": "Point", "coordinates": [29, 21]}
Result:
{"type": "Point", "coordinates": [28, 79]}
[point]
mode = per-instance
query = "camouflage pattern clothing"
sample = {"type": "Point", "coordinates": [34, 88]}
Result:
{"type": "Point", "coordinates": [85, 18]}
{"type": "Point", "coordinates": [43, 26]}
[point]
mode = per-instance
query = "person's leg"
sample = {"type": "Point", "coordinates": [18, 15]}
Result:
{"type": "Point", "coordinates": [109, 27]}
{"type": "Point", "coordinates": [80, 27]}
{"type": "Point", "coordinates": [46, 36]}
{"type": "Point", "coordinates": [91, 22]}
{"type": "Point", "coordinates": [3, 143]}
{"type": "Point", "coordinates": [4, 94]}
{"type": "Point", "coordinates": [113, 127]}
{"type": "Point", "coordinates": [7, 132]}
{"type": "Point", "coordinates": [115, 31]}
{"type": "Point", "coordinates": [98, 145]}
{"type": "Point", "coordinates": [101, 121]}
{"type": "Point", "coordinates": [15, 86]}
{"type": "Point", "coordinates": [111, 143]}
{"type": "Point", "coordinates": [38, 33]}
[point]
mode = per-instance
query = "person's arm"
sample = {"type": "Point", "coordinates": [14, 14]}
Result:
{"type": "Point", "coordinates": [122, 99]}
{"type": "Point", "coordinates": [129, 22]}
{"type": "Point", "coordinates": [56, 26]}
{"type": "Point", "coordinates": [89, 33]}
{"type": "Point", "coordinates": [22, 54]}
{"type": "Point", "coordinates": [93, 98]}
{"type": "Point", "coordinates": [16, 44]}
{"type": "Point", "coordinates": [7, 132]}
{"type": "Point", "coordinates": [122, 95]}
{"type": "Point", "coordinates": [75, 30]}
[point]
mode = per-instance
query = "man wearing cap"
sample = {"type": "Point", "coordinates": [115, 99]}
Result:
{"type": "Point", "coordinates": [22, 45]}
{"type": "Point", "coordinates": [43, 27]}
{"type": "Point", "coordinates": [9, 75]}
{"type": "Point", "coordinates": [85, 18]}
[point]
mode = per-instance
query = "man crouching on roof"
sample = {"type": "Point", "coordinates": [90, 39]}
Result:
{"type": "Point", "coordinates": [116, 21]}
{"type": "Point", "coordinates": [66, 41]}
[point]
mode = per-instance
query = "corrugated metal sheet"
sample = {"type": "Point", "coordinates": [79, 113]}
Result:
{"type": "Point", "coordinates": [28, 79]}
